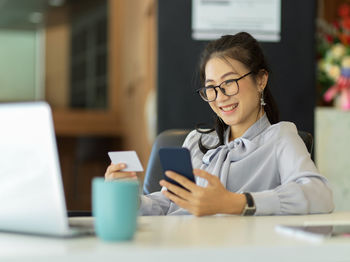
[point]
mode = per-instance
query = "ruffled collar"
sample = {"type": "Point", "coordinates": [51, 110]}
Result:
{"type": "Point", "coordinates": [242, 145]}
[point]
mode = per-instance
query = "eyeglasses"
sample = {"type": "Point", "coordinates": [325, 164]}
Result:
{"type": "Point", "coordinates": [229, 87]}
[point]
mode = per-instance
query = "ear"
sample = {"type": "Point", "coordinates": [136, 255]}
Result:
{"type": "Point", "coordinates": [262, 79]}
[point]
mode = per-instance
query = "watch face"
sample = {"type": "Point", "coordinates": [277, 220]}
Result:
{"type": "Point", "coordinates": [249, 211]}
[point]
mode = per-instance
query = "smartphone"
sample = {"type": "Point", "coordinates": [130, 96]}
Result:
{"type": "Point", "coordinates": [177, 159]}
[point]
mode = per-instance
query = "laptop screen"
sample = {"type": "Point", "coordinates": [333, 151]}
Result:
{"type": "Point", "coordinates": [31, 190]}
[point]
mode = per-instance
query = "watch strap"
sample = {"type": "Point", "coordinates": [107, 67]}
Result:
{"type": "Point", "coordinates": [249, 208]}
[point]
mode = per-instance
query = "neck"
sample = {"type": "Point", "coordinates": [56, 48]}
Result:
{"type": "Point", "coordinates": [239, 129]}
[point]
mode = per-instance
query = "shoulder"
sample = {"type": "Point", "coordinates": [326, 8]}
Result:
{"type": "Point", "coordinates": [285, 136]}
{"type": "Point", "coordinates": [282, 130]}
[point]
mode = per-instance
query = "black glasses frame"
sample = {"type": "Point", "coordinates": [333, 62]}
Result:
{"type": "Point", "coordinates": [221, 88]}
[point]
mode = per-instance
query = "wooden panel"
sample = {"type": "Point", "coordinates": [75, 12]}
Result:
{"type": "Point", "coordinates": [132, 68]}
{"type": "Point", "coordinates": [115, 20]}
{"type": "Point", "coordinates": [328, 9]}
{"type": "Point", "coordinates": [131, 78]}
{"type": "Point", "coordinates": [57, 57]}
{"type": "Point", "coordinates": [84, 122]}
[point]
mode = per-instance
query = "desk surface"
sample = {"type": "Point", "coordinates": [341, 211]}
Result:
{"type": "Point", "coordinates": [189, 238]}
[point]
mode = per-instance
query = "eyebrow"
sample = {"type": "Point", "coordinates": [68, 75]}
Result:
{"type": "Point", "coordinates": [222, 77]}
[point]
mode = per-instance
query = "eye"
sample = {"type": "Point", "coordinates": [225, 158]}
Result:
{"type": "Point", "coordinates": [210, 86]}
{"type": "Point", "coordinates": [229, 81]}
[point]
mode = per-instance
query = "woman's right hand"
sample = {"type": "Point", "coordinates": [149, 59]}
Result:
{"type": "Point", "coordinates": [115, 172]}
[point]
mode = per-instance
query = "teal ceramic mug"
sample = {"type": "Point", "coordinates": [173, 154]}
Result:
{"type": "Point", "coordinates": [115, 208]}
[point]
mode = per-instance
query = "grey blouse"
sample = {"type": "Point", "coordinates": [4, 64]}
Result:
{"type": "Point", "coordinates": [270, 161]}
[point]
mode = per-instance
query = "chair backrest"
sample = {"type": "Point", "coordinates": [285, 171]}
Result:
{"type": "Point", "coordinates": [308, 140]}
{"type": "Point", "coordinates": [175, 138]}
{"type": "Point", "coordinates": [154, 173]}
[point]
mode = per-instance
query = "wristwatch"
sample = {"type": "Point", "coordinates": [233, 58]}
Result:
{"type": "Point", "coordinates": [249, 208]}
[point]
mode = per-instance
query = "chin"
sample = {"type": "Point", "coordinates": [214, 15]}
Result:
{"type": "Point", "coordinates": [230, 121]}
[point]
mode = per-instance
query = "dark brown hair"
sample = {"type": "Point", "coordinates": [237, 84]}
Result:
{"type": "Point", "coordinates": [245, 49]}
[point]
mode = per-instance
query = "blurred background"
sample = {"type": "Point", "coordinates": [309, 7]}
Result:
{"type": "Point", "coordinates": [118, 72]}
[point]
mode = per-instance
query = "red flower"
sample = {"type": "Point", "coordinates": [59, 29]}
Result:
{"type": "Point", "coordinates": [346, 23]}
{"type": "Point", "coordinates": [329, 38]}
{"type": "Point", "coordinates": [336, 25]}
{"type": "Point", "coordinates": [344, 10]}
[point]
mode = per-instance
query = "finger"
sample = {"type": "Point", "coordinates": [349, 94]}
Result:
{"type": "Point", "coordinates": [123, 179]}
{"type": "Point", "coordinates": [116, 167]}
{"type": "Point", "coordinates": [120, 175]}
{"type": "Point", "coordinates": [186, 183]}
{"type": "Point", "coordinates": [183, 193]}
{"type": "Point", "coordinates": [212, 180]}
{"type": "Point", "coordinates": [177, 200]}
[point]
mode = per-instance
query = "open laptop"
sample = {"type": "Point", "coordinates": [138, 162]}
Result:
{"type": "Point", "coordinates": [31, 189]}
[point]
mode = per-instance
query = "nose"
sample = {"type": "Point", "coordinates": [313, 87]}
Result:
{"type": "Point", "coordinates": [220, 96]}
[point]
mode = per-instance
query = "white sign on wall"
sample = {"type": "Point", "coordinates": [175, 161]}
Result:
{"type": "Point", "coordinates": [213, 18]}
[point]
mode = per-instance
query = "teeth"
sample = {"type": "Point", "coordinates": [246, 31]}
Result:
{"type": "Point", "coordinates": [229, 108]}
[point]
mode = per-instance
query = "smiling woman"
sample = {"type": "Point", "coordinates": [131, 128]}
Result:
{"type": "Point", "coordinates": [233, 57]}
{"type": "Point", "coordinates": [248, 163]}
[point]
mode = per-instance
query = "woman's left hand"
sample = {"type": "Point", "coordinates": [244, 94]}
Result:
{"type": "Point", "coordinates": [201, 201]}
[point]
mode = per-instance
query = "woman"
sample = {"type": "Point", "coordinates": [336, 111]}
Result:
{"type": "Point", "coordinates": [250, 163]}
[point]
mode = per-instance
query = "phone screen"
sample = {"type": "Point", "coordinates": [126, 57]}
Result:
{"type": "Point", "coordinates": [177, 159]}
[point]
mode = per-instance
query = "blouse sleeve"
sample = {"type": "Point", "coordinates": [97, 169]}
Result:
{"type": "Point", "coordinates": [156, 203]}
{"type": "Point", "coordinates": [303, 190]}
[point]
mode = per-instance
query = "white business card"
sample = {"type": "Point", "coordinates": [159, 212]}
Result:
{"type": "Point", "coordinates": [130, 158]}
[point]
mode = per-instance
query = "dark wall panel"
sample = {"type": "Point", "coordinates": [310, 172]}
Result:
{"type": "Point", "coordinates": [291, 60]}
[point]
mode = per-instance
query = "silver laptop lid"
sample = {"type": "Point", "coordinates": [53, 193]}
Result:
{"type": "Point", "coordinates": [31, 190]}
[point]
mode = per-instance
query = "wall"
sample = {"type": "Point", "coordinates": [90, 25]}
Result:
{"type": "Point", "coordinates": [18, 65]}
{"type": "Point", "coordinates": [292, 61]}
{"type": "Point", "coordinates": [332, 152]}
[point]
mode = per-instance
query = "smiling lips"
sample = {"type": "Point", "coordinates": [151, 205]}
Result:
{"type": "Point", "coordinates": [229, 108]}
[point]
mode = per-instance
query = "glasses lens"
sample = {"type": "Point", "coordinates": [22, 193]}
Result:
{"type": "Point", "coordinates": [208, 94]}
{"type": "Point", "coordinates": [230, 86]}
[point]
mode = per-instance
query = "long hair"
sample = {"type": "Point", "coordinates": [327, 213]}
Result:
{"type": "Point", "coordinates": [245, 49]}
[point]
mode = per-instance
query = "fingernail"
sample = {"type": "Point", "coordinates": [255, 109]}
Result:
{"type": "Point", "coordinates": [168, 173]}
{"type": "Point", "coordinates": [122, 166]}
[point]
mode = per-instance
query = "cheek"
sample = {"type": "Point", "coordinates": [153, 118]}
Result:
{"type": "Point", "coordinates": [249, 96]}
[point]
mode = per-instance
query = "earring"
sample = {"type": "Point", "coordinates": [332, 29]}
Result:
{"type": "Point", "coordinates": [262, 101]}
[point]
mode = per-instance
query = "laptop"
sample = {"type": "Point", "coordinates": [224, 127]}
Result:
{"type": "Point", "coordinates": [31, 189]}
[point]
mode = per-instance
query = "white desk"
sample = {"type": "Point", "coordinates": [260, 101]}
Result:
{"type": "Point", "coordinates": [215, 238]}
